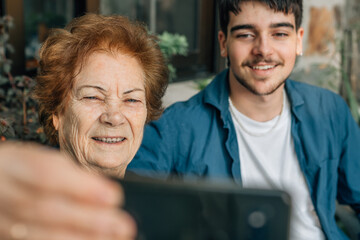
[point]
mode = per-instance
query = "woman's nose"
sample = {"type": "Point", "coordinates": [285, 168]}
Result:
{"type": "Point", "coordinates": [113, 116]}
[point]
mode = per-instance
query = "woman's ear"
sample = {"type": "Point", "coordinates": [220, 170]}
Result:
{"type": "Point", "coordinates": [55, 121]}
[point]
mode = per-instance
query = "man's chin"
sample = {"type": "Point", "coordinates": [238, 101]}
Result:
{"type": "Point", "coordinates": [260, 88]}
{"type": "Point", "coordinates": [264, 92]}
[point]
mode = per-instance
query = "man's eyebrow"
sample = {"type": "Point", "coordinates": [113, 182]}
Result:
{"type": "Point", "coordinates": [274, 25]}
{"type": "Point", "coordinates": [282, 24]}
{"type": "Point", "coordinates": [133, 90]}
{"type": "Point", "coordinates": [243, 26]}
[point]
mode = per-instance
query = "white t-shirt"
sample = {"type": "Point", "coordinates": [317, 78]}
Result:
{"type": "Point", "coordinates": [268, 160]}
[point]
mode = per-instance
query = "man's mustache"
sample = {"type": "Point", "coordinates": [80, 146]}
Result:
{"type": "Point", "coordinates": [256, 61]}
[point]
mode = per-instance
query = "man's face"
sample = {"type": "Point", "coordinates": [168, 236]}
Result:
{"type": "Point", "coordinates": [102, 125]}
{"type": "Point", "coordinates": [261, 45]}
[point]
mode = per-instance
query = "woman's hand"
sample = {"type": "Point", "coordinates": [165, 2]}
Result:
{"type": "Point", "coordinates": [44, 196]}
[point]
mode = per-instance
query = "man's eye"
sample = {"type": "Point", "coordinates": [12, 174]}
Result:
{"type": "Point", "coordinates": [244, 35]}
{"type": "Point", "coordinates": [281, 34]}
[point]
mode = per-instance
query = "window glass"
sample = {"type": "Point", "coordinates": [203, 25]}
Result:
{"type": "Point", "coordinates": [174, 16]}
{"type": "Point", "coordinates": [178, 16]}
{"type": "Point", "coordinates": [40, 16]}
{"type": "Point", "coordinates": [134, 9]}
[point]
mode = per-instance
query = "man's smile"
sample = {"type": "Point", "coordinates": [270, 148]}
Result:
{"type": "Point", "coordinates": [263, 67]}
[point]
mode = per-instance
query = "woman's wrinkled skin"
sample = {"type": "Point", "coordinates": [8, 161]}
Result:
{"type": "Point", "coordinates": [102, 124]}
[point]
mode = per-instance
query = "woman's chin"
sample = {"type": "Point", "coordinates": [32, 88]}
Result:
{"type": "Point", "coordinates": [112, 167]}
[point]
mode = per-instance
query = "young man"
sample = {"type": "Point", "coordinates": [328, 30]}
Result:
{"type": "Point", "coordinates": [254, 125]}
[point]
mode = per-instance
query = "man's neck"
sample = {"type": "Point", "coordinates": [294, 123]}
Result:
{"type": "Point", "coordinates": [258, 108]}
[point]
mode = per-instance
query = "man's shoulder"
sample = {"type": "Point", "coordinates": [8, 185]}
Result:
{"type": "Point", "coordinates": [307, 88]}
{"type": "Point", "coordinates": [317, 104]}
{"type": "Point", "coordinates": [193, 108]}
{"type": "Point", "coordinates": [313, 94]}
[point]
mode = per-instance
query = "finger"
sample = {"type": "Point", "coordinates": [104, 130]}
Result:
{"type": "Point", "coordinates": [30, 231]}
{"type": "Point", "coordinates": [63, 212]}
{"type": "Point", "coordinates": [43, 169]}
{"type": "Point", "coordinates": [66, 215]}
{"type": "Point", "coordinates": [57, 211]}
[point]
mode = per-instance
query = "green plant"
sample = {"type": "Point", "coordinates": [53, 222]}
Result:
{"type": "Point", "coordinates": [202, 83]}
{"type": "Point", "coordinates": [172, 45]}
{"type": "Point", "coordinates": [18, 113]}
{"type": "Point", "coordinates": [348, 52]}
{"type": "Point", "coordinates": [352, 102]}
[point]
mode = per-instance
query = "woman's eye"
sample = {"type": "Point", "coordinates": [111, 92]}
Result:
{"type": "Point", "coordinates": [131, 100]}
{"type": "Point", "coordinates": [92, 98]}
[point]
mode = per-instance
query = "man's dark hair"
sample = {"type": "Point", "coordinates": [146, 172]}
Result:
{"type": "Point", "coordinates": [286, 6]}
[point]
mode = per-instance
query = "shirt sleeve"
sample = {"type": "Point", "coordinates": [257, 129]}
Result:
{"type": "Point", "coordinates": [349, 166]}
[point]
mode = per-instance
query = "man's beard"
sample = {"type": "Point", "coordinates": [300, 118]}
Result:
{"type": "Point", "coordinates": [254, 91]}
{"type": "Point", "coordinates": [252, 88]}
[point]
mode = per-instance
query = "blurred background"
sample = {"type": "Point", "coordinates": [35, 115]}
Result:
{"type": "Point", "coordinates": [194, 19]}
{"type": "Point", "coordinates": [325, 22]}
{"type": "Point", "coordinates": [187, 30]}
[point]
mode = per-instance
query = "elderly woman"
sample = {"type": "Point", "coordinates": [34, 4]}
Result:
{"type": "Point", "coordinates": [100, 80]}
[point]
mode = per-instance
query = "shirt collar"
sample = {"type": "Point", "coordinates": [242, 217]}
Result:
{"type": "Point", "coordinates": [217, 92]}
{"type": "Point", "coordinates": [295, 97]}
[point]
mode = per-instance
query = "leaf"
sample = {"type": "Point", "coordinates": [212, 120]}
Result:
{"type": "Point", "coordinates": [19, 81]}
{"type": "Point", "coordinates": [4, 37]}
{"type": "Point", "coordinates": [5, 129]}
{"type": "Point", "coordinates": [10, 48]}
{"type": "Point", "coordinates": [353, 104]}
{"type": "Point", "coordinates": [172, 72]}
{"type": "Point", "coordinates": [7, 67]}
{"type": "Point", "coordinates": [173, 44]}
{"type": "Point", "coordinates": [3, 80]}
{"type": "Point", "coordinates": [202, 83]}
{"type": "Point", "coordinates": [10, 92]}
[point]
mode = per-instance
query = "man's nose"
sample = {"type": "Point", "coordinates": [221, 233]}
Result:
{"type": "Point", "coordinates": [112, 116]}
{"type": "Point", "coordinates": [263, 46]}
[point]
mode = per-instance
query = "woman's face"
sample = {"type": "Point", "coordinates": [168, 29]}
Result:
{"type": "Point", "coordinates": [102, 125]}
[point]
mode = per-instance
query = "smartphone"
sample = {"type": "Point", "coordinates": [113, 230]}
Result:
{"type": "Point", "coordinates": [187, 210]}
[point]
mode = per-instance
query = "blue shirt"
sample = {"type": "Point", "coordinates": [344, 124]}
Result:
{"type": "Point", "coordinates": [197, 138]}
